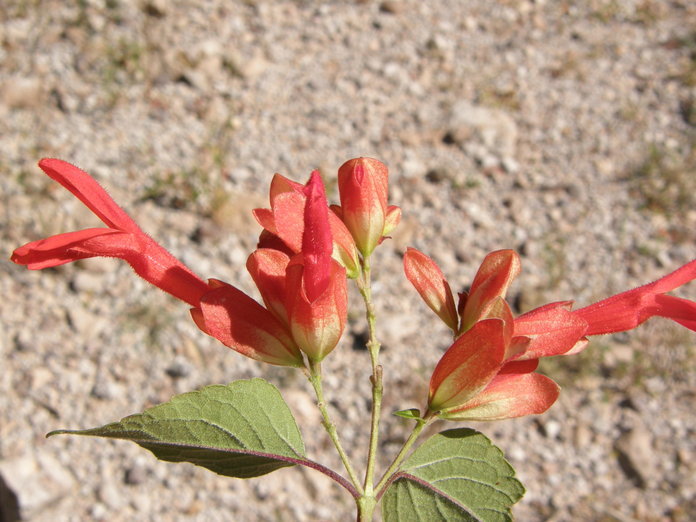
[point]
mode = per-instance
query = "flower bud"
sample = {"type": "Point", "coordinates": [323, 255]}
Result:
{"type": "Point", "coordinates": [363, 186]}
{"type": "Point", "coordinates": [427, 278]}
{"type": "Point", "coordinates": [492, 280]}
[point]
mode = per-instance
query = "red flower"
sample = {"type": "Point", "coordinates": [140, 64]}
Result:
{"type": "Point", "coordinates": [487, 373]}
{"type": "Point", "coordinates": [305, 295]}
{"type": "Point", "coordinates": [123, 239]}
{"type": "Point", "coordinates": [317, 297]}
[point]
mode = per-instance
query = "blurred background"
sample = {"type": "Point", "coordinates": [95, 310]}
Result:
{"type": "Point", "coordinates": [564, 130]}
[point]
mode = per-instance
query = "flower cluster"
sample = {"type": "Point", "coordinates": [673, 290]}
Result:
{"type": "Point", "coordinates": [304, 254]}
{"type": "Point", "coordinates": [307, 251]}
{"type": "Point", "coordinates": [488, 373]}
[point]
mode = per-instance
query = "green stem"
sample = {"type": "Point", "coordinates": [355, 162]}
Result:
{"type": "Point", "coordinates": [366, 507]}
{"type": "Point", "coordinates": [315, 378]}
{"type": "Point", "coordinates": [394, 466]}
{"type": "Point", "coordinates": [373, 346]}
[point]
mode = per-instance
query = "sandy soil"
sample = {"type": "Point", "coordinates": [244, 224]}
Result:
{"type": "Point", "coordinates": [564, 130]}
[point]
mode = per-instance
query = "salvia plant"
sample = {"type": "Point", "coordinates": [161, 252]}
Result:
{"type": "Point", "coordinates": [307, 254]}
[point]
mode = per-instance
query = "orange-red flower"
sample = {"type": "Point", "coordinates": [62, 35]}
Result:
{"type": "Point", "coordinates": [123, 239]}
{"type": "Point", "coordinates": [488, 372]}
{"type": "Point", "coordinates": [307, 291]}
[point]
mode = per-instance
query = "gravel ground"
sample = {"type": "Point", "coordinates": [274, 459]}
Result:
{"type": "Point", "coordinates": [562, 129]}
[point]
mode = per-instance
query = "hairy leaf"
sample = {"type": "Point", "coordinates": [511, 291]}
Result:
{"type": "Point", "coordinates": [456, 475]}
{"type": "Point", "coordinates": [243, 429]}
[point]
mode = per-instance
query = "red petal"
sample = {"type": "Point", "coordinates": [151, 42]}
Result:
{"type": "Point", "coordinates": [509, 396]}
{"type": "Point", "coordinates": [59, 249]}
{"type": "Point", "coordinates": [344, 249]}
{"type": "Point", "coordinates": [239, 322]}
{"type": "Point", "coordinates": [552, 329]}
{"type": "Point", "coordinates": [430, 283]}
{"type": "Point", "coordinates": [267, 269]}
{"type": "Point", "coordinates": [468, 365]}
{"type": "Point", "coordinates": [149, 260]}
{"type": "Point", "coordinates": [627, 310]}
{"type": "Point", "coordinates": [288, 214]}
{"type": "Point", "coordinates": [264, 217]}
{"type": "Point", "coordinates": [317, 244]}
{"type": "Point", "coordinates": [89, 192]}
{"type": "Point", "coordinates": [680, 310]}
{"type": "Point", "coordinates": [492, 280]}
{"type": "Point", "coordinates": [392, 220]}
{"type": "Point", "coordinates": [280, 185]}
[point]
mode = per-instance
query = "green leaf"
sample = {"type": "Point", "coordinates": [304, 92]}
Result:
{"type": "Point", "coordinates": [244, 429]}
{"type": "Point", "coordinates": [412, 413]}
{"type": "Point", "coordinates": [455, 475]}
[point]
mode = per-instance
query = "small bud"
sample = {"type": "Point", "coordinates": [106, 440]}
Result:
{"type": "Point", "coordinates": [492, 280]}
{"type": "Point", "coordinates": [363, 186]}
{"type": "Point", "coordinates": [427, 278]}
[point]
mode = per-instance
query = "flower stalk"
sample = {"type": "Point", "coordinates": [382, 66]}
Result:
{"type": "Point", "coordinates": [421, 423]}
{"type": "Point", "coordinates": [314, 376]}
{"type": "Point", "coordinates": [373, 346]}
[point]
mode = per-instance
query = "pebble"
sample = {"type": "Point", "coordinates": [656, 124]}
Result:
{"type": "Point", "coordinates": [22, 93]}
{"type": "Point", "coordinates": [636, 456]}
{"type": "Point", "coordinates": [135, 475]}
{"type": "Point", "coordinates": [178, 369]}
{"type": "Point", "coordinates": [495, 129]}
{"type": "Point", "coordinates": [30, 483]}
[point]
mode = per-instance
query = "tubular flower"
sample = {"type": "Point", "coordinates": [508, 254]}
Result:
{"type": "Point", "coordinates": [305, 293]}
{"type": "Point", "coordinates": [488, 372]}
{"type": "Point", "coordinates": [363, 186]}
{"type": "Point", "coordinates": [629, 309]}
{"type": "Point", "coordinates": [283, 225]}
{"type": "Point", "coordinates": [122, 239]}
